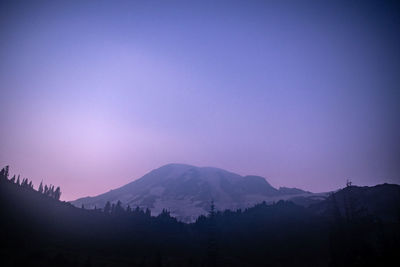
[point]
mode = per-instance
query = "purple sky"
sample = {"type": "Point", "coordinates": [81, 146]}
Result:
{"type": "Point", "coordinates": [95, 94]}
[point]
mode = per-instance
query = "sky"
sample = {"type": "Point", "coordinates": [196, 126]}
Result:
{"type": "Point", "coordinates": [94, 94]}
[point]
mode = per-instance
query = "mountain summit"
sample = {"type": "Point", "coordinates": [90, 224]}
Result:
{"type": "Point", "coordinates": [186, 191]}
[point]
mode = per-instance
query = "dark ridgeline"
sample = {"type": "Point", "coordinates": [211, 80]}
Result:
{"type": "Point", "coordinates": [46, 190]}
{"type": "Point", "coordinates": [356, 226]}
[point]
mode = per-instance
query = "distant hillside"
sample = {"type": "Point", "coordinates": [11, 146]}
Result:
{"type": "Point", "coordinates": [186, 191]}
{"type": "Point", "coordinates": [382, 201]}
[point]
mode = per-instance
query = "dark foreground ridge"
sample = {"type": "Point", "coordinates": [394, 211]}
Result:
{"type": "Point", "coordinates": [356, 226]}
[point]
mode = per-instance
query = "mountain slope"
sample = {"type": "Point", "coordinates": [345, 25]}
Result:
{"type": "Point", "coordinates": [186, 191]}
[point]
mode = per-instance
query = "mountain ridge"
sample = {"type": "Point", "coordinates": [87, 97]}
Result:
{"type": "Point", "coordinates": [187, 190]}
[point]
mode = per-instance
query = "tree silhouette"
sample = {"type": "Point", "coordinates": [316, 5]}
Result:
{"type": "Point", "coordinates": [112, 208]}
{"type": "Point", "coordinates": [148, 212]}
{"type": "Point", "coordinates": [118, 210]}
{"type": "Point", "coordinates": [51, 191]}
{"type": "Point", "coordinates": [24, 182]}
{"type": "Point", "coordinates": [40, 190]}
{"type": "Point", "coordinates": [212, 240]}
{"type": "Point", "coordinates": [57, 193]}
{"type": "Point", "coordinates": [211, 213]}
{"type": "Point", "coordinates": [4, 173]}
{"type": "Point", "coordinates": [107, 208]}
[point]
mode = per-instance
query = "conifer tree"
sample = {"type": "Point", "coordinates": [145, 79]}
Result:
{"type": "Point", "coordinates": [211, 213]}
{"type": "Point", "coordinates": [148, 212]}
{"type": "Point", "coordinates": [6, 169]}
{"type": "Point", "coordinates": [212, 248]}
{"type": "Point", "coordinates": [118, 208]}
{"type": "Point", "coordinates": [51, 191]}
{"type": "Point", "coordinates": [57, 193]}
{"type": "Point", "coordinates": [107, 207]}
{"type": "Point", "coordinates": [40, 190]}
{"type": "Point", "coordinates": [2, 174]}
{"type": "Point", "coordinates": [113, 208]}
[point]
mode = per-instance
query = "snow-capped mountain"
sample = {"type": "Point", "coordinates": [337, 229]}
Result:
{"type": "Point", "coordinates": [186, 191]}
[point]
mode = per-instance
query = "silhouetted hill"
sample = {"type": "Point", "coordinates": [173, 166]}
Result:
{"type": "Point", "coordinates": [39, 230]}
{"type": "Point", "coordinates": [382, 201]}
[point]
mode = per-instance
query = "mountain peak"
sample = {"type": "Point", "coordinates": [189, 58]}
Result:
{"type": "Point", "coordinates": [184, 167]}
{"type": "Point", "coordinates": [187, 190]}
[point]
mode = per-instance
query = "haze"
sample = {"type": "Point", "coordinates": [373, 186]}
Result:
{"type": "Point", "coordinates": [97, 93]}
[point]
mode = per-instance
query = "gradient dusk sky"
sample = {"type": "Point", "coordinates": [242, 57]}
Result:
{"type": "Point", "coordinates": [97, 93]}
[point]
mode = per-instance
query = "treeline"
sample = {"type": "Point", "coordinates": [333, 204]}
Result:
{"type": "Point", "coordinates": [117, 209]}
{"type": "Point", "coordinates": [49, 191]}
{"type": "Point", "coordinates": [342, 231]}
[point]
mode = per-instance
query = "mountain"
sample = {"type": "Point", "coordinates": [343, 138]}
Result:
{"type": "Point", "coordinates": [186, 191]}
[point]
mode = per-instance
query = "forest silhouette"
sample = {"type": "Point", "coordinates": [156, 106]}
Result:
{"type": "Point", "coordinates": [349, 228]}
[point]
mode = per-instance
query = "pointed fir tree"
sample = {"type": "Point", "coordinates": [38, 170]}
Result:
{"type": "Point", "coordinates": [6, 170]}
{"type": "Point", "coordinates": [40, 190]}
{"type": "Point", "coordinates": [51, 191]}
{"type": "Point", "coordinates": [57, 193]}
{"type": "Point", "coordinates": [148, 212]}
{"type": "Point", "coordinates": [118, 208]}
{"type": "Point", "coordinates": [113, 208]}
{"type": "Point", "coordinates": [2, 174]}
{"type": "Point", "coordinates": [211, 213]}
{"type": "Point", "coordinates": [107, 208]}
{"type": "Point", "coordinates": [212, 247]}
